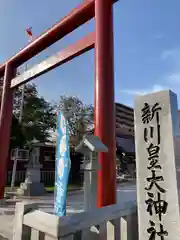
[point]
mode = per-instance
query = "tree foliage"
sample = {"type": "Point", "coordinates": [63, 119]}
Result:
{"type": "Point", "coordinates": [17, 136]}
{"type": "Point", "coordinates": [80, 117]}
{"type": "Point", "coordinates": [38, 114]}
{"type": "Point", "coordinates": [39, 117]}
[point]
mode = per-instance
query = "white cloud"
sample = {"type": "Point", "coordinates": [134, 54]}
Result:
{"type": "Point", "coordinates": [174, 54]}
{"type": "Point", "coordinates": [158, 36]}
{"type": "Point", "coordinates": [155, 88]}
{"type": "Point", "coordinates": [174, 78]}
{"type": "Point", "coordinates": [170, 81]}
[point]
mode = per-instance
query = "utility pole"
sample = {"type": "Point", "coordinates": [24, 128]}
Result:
{"type": "Point", "coordinates": [20, 123]}
{"type": "Point", "coordinates": [22, 100]}
{"type": "Point", "coordinates": [21, 105]}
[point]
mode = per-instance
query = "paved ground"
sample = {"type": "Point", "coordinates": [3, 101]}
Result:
{"type": "Point", "coordinates": [125, 193]}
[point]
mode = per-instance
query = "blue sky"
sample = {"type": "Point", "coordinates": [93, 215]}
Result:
{"type": "Point", "coordinates": [147, 46]}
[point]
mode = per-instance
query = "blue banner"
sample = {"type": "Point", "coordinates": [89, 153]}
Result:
{"type": "Point", "coordinates": [63, 165]}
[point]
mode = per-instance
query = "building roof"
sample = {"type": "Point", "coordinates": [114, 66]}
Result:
{"type": "Point", "coordinates": [124, 106]}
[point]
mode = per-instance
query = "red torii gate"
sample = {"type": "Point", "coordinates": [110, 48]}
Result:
{"type": "Point", "coordinates": [102, 40]}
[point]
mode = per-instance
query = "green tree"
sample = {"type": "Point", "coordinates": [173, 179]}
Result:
{"type": "Point", "coordinates": [17, 136]}
{"type": "Point", "coordinates": [80, 117]}
{"type": "Point", "coordinates": [38, 115]}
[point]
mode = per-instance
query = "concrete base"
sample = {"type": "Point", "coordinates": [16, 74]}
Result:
{"type": "Point", "coordinates": [36, 189]}
{"type": "Point", "coordinates": [31, 189]}
{"type": "Point", "coordinates": [2, 202]}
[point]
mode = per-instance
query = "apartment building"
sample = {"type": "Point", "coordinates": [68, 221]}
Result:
{"type": "Point", "coordinates": [124, 119]}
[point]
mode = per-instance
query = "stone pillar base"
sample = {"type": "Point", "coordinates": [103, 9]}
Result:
{"type": "Point", "coordinates": [36, 189]}
{"type": "Point", "coordinates": [2, 202]}
{"type": "Point", "coordinates": [31, 189]}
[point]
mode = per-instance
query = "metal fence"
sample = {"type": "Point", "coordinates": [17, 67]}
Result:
{"type": "Point", "coordinates": [20, 177]}
{"type": "Point", "coordinates": [47, 177]}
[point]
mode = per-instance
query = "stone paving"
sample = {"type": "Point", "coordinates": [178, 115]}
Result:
{"type": "Point", "coordinates": [125, 193]}
{"type": "Point", "coordinates": [74, 200]}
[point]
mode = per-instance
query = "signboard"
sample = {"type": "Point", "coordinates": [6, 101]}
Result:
{"type": "Point", "coordinates": [63, 164]}
{"type": "Point", "coordinates": [156, 124]}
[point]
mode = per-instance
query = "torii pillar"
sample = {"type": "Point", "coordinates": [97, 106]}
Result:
{"type": "Point", "coordinates": [5, 123]}
{"type": "Point", "coordinates": [104, 100]}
